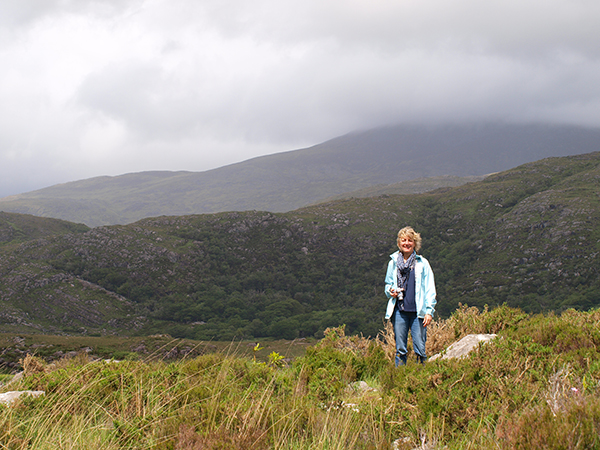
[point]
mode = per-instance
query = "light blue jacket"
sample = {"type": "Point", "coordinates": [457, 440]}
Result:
{"type": "Point", "coordinates": [424, 286]}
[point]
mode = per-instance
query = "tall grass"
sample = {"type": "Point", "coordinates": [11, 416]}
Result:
{"type": "Point", "coordinates": [535, 386]}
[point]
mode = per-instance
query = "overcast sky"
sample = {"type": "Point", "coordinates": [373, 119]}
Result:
{"type": "Point", "coordinates": [107, 87]}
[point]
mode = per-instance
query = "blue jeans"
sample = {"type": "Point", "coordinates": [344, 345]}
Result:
{"type": "Point", "coordinates": [402, 322]}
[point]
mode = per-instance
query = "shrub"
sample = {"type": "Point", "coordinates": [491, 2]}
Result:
{"type": "Point", "coordinates": [576, 425]}
{"type": "Point", "coordinates": [338, 360]}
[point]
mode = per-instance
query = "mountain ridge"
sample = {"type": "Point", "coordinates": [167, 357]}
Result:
{"type": "Point", "coordinates": [293, 179]}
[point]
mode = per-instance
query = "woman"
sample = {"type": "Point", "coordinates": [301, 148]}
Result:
{"type": "Point", "coordinates": [410, 288]}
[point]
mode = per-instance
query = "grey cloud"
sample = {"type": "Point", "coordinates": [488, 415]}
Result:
{"type": "Point", "coordinates": [24, 12]}
{"type": "Point", "coordinates": [512, 26]}
{"type": "Point", "coordinates": [325, 93]}
{"type": "Point", "coordinates": [194, 79]}
{"type": "Point", "coordinates": [142, 96]}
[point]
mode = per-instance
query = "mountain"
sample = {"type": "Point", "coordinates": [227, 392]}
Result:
{"type": "Point", "coordinates": [289, 180]}
{"type": "Point", "coordinates": [528, 237]}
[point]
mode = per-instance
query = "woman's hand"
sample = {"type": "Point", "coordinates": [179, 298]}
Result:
{"type": "Point", "coordinates": [427, 319]}
{"type": "Point", "coordinates": [393, 292]}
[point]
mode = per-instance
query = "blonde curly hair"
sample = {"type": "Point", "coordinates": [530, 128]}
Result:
{"type": "Point", "coordinates": [412, 235]}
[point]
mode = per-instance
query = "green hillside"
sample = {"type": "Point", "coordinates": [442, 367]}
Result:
{"type": "Point", "coordinates": [290, 180]}
{"type": "Point", "coordinates": [528, 237]}
{"type": "Point", "coordinates": [17, 228]}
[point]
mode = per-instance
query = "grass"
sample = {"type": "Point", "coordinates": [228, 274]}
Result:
{"type": "Point", "coordinates": [535, 386]}
{"type": "Point", "coordinates": [14, 346]}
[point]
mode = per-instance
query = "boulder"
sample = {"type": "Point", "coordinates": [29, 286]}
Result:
{"type": "Point", "coordinates": [463, 347]}
{"type": "Point", "coordinates": [8, 397]}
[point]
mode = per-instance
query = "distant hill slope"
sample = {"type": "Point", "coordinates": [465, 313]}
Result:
{"type": "Point", "coordinates": [18, 228]}
{"type": "Point", "coordinates": [529, 236]}
{"type": "Point", "coordinates": [417, 186]}
{"type": "Point", "coordinates": [289, 180]}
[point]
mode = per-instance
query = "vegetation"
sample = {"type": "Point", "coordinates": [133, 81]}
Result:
{"type": "Point", "coordinates": [416, 186]}
{"type": "Point", "coordinates": [18, 228]}
{"type": "Point", "coordinates": [535, 386]}
{"type": "Point", "coordinates": [50, 349]}
{"type": "Point", "coordinates": [528, 237]}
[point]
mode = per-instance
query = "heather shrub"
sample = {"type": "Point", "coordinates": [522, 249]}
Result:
{"type": "Point", "coordinates": [569, 419]}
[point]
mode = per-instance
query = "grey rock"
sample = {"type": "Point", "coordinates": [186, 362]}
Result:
{"type": "Point", "coordinates": [8, 397]}
{"type": "Point", "coordinates": [15, 378]}
{"type": "Point", "coordinates": [462, 348]}
{"type": "Point", "coordinates": [359, 387]}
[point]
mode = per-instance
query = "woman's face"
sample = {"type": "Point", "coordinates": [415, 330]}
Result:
{"type": "Point", "coordinates": [407, 246]}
